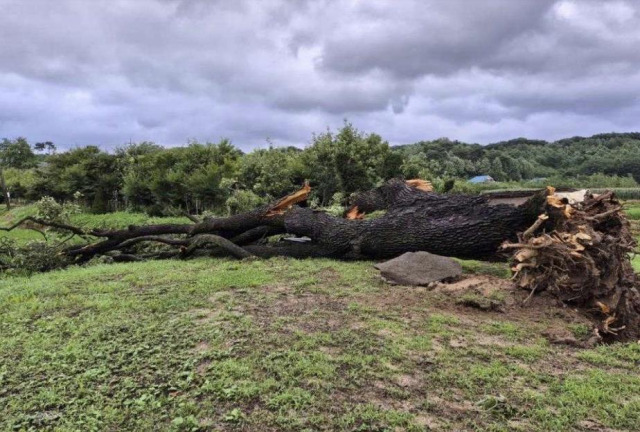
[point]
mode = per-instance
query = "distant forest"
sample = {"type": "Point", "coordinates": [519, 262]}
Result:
{"type": "Point", "coordinates": [219, 178]}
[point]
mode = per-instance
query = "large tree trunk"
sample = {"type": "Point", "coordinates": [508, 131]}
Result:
{"type": "Point", "coordinates": [458, 225]}
{"type": "Point", "coordinates": [464, 227]}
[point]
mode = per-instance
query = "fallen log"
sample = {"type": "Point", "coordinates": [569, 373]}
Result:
{"type": "Point", "coordinates": [416, 219]}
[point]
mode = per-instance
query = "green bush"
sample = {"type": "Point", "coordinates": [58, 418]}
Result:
{"type": "Point", "coordinates": [50, 210]}
{"type": "Point", "coordinates": [35, 256]}
{"type": "Point", "coordinates": [243, 200]}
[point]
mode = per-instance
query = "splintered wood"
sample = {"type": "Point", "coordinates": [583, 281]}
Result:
{"type": "Point", "coordinates": [357, 212]}
{"type": "Point", "coordinates": [289, 201]}
{"type": "Point", "coordinates": [580, 252]}
{"type": "Point", "coordinates": [420, 184]}
{"type": "Point", "coordinates": [354, 214]}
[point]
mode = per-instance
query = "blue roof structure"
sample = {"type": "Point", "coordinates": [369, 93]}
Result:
{"type": "Point", "coordinates": [481, 179]}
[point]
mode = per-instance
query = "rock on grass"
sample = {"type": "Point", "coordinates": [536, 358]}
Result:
{"type": "Point", "coordinates": [419, 268]}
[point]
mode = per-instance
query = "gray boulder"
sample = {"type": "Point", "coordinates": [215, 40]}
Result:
{"type": "Point", "coordinates": [418, 268]}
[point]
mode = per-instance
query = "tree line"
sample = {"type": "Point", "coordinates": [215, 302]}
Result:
{"type": "Point", "coordinates": [219, 178]}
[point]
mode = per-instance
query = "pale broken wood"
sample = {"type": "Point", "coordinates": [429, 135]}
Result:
{"type": "Point", "coordinates": [290, 200]}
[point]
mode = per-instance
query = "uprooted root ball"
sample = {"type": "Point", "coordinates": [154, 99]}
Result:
{"type": "Point", "coordinates": [581, 253]}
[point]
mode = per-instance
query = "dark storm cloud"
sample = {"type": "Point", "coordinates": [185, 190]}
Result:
{"type": "Point", "coordinates": [106, 72]}
{"type": "Point", "coordinates": [430, 37]}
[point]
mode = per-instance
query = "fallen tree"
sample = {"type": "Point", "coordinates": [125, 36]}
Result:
{"type": "Point", "coordinates": [414, 219]}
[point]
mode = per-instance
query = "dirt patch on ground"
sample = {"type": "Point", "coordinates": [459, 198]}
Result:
{"type": "Point", "coordinates": [481, 299]}
{"type": "Point", "coordinates": [510, 302]}
{"type": "Point", "coordinates": [473, 300]}
{"type": "Point", "coordinates": [203, 367]}
{"type": "Point", "coordinates": [329, 275]}
{"type": "Point", "coordinates": [481, 283]}
{"type": "Point", "coordinates": [202, 347]}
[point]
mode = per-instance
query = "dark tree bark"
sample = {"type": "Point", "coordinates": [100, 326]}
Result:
{"type": "Point", "coordinates": [453, 225]}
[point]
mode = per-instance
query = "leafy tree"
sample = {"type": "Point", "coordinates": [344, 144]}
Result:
{"type": "Point", "coordinates": [348, 161]}
{"type": "Point", "coordinates": [272, 172]}
{"type": "Point", "coordinates": [47, 146]}
{"type": "Point", "coordinates": [416, 166]}
{"type": "Point", "coordinates": [16, 153]}
{"type": "Point", "coordinates": [87, 170]}
{"type": "Point", "coordinates": [497, 171]}
{"type": "Point", "coordinates": [218, 177]}
{"type": "Point", "coordinates": [13, 154]}
{"type": "Point", "coordinates": [189, 178]}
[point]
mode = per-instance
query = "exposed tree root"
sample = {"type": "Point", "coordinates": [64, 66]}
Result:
{"type": "Point", "coordinates": [581, 254]}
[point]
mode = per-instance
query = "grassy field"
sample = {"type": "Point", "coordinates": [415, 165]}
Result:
{"type": "Point", "coordinates": [290, 345]}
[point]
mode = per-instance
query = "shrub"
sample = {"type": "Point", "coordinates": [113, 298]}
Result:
{"type": "Point", "coordinates": [35, 256]}
{"type": "Point", "coordinates": [243, 200]}
{"type": "Point", "coordinates": [50, 210]}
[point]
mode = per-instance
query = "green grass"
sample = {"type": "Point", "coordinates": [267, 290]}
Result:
{"type": "Point", "coordinates": [632, 209]}
{"type": "Point", "coordinates": [633, 213]}
{"type": "Point", "coordinates": [17, 212]}
{"type": "Point", "coordinates": [288, 345]}
{"type": "Point", "coordinates": [19, 234]}
{"type": "Point", "coordinates": [119, 220]}
{"type": "Point", "coordinates": [498, 269]}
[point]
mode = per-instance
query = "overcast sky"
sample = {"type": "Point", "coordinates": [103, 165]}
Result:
{"type": "Point", "coordinates": [81, 72]}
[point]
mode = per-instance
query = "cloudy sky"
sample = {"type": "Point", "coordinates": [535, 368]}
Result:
{"type": "Point", "coordinates": [81, 72]}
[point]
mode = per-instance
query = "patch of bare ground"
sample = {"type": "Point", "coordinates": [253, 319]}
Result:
{"type": "Point", "coordinates": [402, 393]}
{"type": "Point", "coordinates": [515, 305]}
{"type": "Point", "coordinates": [542, 315]}
{"type": "Point", "coordinates": [479, 299]}
{"type": "Point", "coordinates": [203, 366]}
{"type": "Point", "coordinates": [482, 283]}
{"type": "Point", "coordinates": [329, 275]}
{"type": "Point", "coordinates": [491, 340]}
{"type": "Point", "coordinates": [202, 347]}
{"type": "Point", "coordinates": [428, 422]}
{"type": "Point", "coordinates": [588, 425]}
{"type": "Point", "coordinates": [460, 408]}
